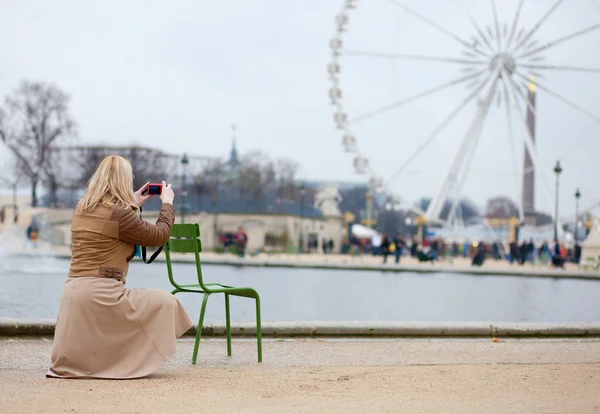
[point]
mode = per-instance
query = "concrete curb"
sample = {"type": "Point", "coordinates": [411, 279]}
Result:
{"type": "Point", "coordinates": [45, 327]}
{"type": "Point", "coordinates": [26, 327]}
{"type": "Point", "coordinates": [427, 269]}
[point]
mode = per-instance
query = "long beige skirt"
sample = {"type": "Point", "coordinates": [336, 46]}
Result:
{"type": "Point", "coordinates": [105, 330]}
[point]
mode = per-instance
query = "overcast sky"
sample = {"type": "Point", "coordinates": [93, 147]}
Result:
{"type": "Point", "coordinates": [176, 75]}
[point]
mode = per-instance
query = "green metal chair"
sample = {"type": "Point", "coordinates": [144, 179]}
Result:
{"type": "Point", "coordinates": [185, 238]}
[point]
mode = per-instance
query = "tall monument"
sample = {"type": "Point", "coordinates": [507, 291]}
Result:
{"type": "Point", "coordinates": [528, 170]}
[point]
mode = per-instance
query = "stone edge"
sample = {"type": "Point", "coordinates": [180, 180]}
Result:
{"type": "Point", "coordinates": [45, 327]}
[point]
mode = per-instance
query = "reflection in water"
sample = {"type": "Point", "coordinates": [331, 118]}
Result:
{"type": "Point", "coordinates": [31, 287]}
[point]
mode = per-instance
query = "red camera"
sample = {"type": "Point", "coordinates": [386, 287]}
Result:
{"type": "Point", "coordinates": [153, 189]}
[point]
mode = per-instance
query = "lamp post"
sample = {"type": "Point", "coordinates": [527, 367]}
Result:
{"type": "Point", "coordinates": [301, 236]}
{"type": "Point", "coordinates": [184, 162]}
{"type": "Point", "coordinates": [280, 196]}
{"type": "Point", "coordinates": [577, 196]}
{"type": "Point", "coordinates": [15, 196]}
{"type": "Point", "coordinates": [557, 171]}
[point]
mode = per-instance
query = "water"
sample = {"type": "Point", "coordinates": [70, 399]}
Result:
{"type": "Point", "coordinates": [31, 287]}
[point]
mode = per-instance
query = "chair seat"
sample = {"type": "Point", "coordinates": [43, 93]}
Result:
{"type": "Point", "coordinates": [219, 288]}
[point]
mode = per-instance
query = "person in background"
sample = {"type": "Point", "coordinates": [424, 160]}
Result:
{"type": "Point", "coordinates": [2, 215]}
{"type": "Point", "coordinates": [435, 248]}
{"type": "Point", "coordinates": [523, 250]}
{"type": "Point", "coordinates": [426, 242]}
{"type": "Point", "coordinates": [414, 247]}
{"type": "Point", "coordinates": [385, 248]}
{"type": "Point", "coordinates": [564, 253]}
{"type": "Point", "coordinates": [454, 249]}
{"type": "Point", "coordinates": [444, 250]}
{"type": "Point", "coordinates": [241, 240]}
{"type": "Point", "coordinates": [479, 256]}
{"type": "Point", "coordinates": [16, 215]}
{"type": "Point", "coordinates": [531, 252]}
{"type": "Point", "coordinates": [496, 250]}
{"type": "Point", "coordinates": [400, 246]}
{"type": "Point", "coordinates": [466, 247]}
{"type": "Point", "coordinates": [330, 246]}
{"type": "Point", "coordinates": [544, 254]}
{"type": "Point", "coordinates": [32, 234]}
{"type": "Point", "coordinates": [557, 259]}
{"type": "Point", "coordinates": [514, 252]}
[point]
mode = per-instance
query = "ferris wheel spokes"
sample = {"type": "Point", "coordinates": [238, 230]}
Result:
{"type": "Point", "coordinates": [515, 23]}
{"type": "Point", "coordinates": [470, 139]}
{"type": "Point", "coordinates": [479, 31]}
{"type": "Point", "coordinates": [560, 97]}
{"type": "Point", "coordinates": [537, 26]}
{"type": "Point", "coordinates": [439, 28]}
{"type": "Point", "coordinates": [415, 97]}
{"type": "Point", "coordinates": [439, 129]}
{"type": "Point", "coordinates": [458, 186]}
{"type": "Point", "coordinates": [559, 41]}
{"type": "Point", "coordinates": [565, 68]}
{"type": "Point", "coordinates": [496, 24]}
{"type": "Point", "coordinates": [415, 57]}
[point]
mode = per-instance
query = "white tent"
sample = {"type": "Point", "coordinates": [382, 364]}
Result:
{"type": "Point", "coordinates": [363, 232]}
{"type": "Point", "coordinates": [590, 248]}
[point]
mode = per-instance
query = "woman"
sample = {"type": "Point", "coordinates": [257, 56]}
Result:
{"type": "Point", "coordinates": [105, 330]}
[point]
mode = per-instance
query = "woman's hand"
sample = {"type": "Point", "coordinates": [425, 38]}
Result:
{"type": "Point", "coordinates": [142, 198]}
{"type": "Point", "coordinates": [167, 194]}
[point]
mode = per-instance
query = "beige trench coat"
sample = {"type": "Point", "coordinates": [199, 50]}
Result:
{"type": "Point", "coordinates": [103, 329]}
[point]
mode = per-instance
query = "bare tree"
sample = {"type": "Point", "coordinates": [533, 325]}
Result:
{"type": "Point", "coordinates": [33, 120]}
{"type": "Point", "coordinates": [148, 164]}
{"type": "Point", "coordinates": [62, 172]}
{"type": "Point", "coordinates": [88, 160]}
{"type": "Point", "coordinates": [208, 180]}
{"type": "Point", "coordinates": [249, 181]}
{"type": "Point", "coordinates": [501, 207]}
{"type": "Point", "coordinates": [285, 171]}
{"type": "Point", "coordinates": [11, 175]}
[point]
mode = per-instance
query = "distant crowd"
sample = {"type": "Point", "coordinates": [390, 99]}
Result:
{"type": "Point", "coordinates": [237, 241]}
{"type": "Point", "coordinates": [437, 248]}
{"type": "Point", "coordinates": [327, 246]}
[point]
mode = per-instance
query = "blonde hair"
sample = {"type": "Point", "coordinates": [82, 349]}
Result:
{"type": "Point", "coordinates": [111, 184]}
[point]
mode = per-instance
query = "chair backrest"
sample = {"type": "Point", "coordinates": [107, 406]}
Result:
{"type": "Point", "coordinates": [185, 238]}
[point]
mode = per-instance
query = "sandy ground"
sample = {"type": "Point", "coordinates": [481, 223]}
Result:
{"type": "Point", "coordinates": [307, 375]}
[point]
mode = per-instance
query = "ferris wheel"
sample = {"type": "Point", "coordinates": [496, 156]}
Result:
{"type": "Point", "coordinates": [499, 62]}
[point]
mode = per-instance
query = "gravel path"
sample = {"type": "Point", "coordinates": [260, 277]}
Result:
{"type": "Point", "coordinates": [307, 375]}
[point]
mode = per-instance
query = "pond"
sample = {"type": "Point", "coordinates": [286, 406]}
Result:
{"type": "Point", "coordinates": [31, 287]}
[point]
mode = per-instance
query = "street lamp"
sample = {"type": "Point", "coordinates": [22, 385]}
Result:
{"type": "Point", "coordinates": [184, 162]}
{"type": "Point", "coordinates": [557, 171]}
{"type": "Point", "coordinates": [280, 196]}
{"type": "Point", "coordinates": [301, 237]}
{"type": "Point", "coordinates": [577, 196]}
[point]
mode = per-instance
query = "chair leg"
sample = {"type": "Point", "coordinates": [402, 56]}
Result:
{"type": "Point", "coordinates": [258, 329]}
{"type": "Point", "coordinates": [200, 324]}
{"type": "Point", "coordinates": [228, 324]}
